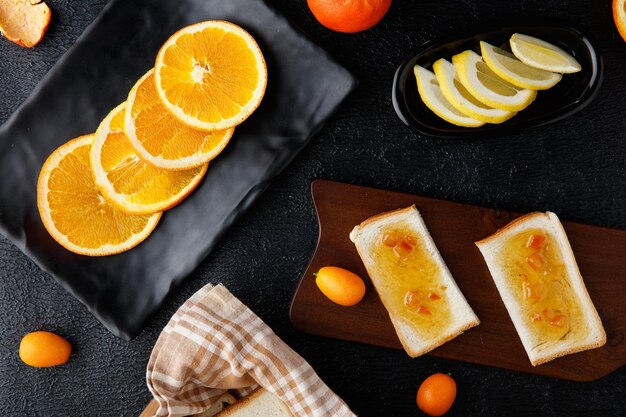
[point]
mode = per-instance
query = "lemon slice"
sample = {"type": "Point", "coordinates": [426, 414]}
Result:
{"type": "Point", "coordinates": [511, 69]}
{"type": "Point", "coordinates": [461, 99]}
{"type": "Point", "coordinates": [543, 55]}
{"type": "Point", "coordinates": [433, 98]}
{"type": "Point", "coordinates": [487, 86]}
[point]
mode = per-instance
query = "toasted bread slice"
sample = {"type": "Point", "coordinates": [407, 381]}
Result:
{"type": "Point", "coordinates": [261, 403]}
{"type": "Point", "coordinates": [424, 302]}
{"type": "Point", "coordinates": [534, 269]}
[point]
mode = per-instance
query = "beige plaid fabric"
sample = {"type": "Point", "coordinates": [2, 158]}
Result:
{"type": "Point", "coordinates": [214, 343]}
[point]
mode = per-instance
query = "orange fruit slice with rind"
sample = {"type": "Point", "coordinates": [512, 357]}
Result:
{"type": "Point", "coordinates": [75, 212]}
{"type": "Point", "coordinates": [211, 75]}
{"type": "Point", "coordinates": [129, 182]}
{"type": "Point", "coordinates": [160, 138]}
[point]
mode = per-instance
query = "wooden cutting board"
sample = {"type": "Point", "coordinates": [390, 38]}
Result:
{"type": "Point", "coordinates": [600, 252]}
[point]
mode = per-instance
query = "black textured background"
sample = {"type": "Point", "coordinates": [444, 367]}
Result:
{"type": "Point", "coordinates": [576, 168]}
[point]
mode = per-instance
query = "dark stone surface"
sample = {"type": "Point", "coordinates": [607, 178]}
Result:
{"type": "Point", "coordinates": [576, 168]}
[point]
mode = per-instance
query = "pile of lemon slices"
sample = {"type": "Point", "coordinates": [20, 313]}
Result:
{"type": "Point", "coordinates": [473, 90]}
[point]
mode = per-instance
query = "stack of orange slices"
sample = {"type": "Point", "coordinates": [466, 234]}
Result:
{"type": "Point", "coordinates": [104, 193]}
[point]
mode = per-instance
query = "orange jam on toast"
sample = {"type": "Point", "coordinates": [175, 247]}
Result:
{"type": "Point", "coordinates": [412, 285]}
{"type": "Point", "coordinates": [541, 287]}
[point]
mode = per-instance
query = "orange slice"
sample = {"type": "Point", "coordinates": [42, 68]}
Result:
{"type": "Point", "coordinates": [162, 139]}
{"type": "Point", "coordinates": [619, 16]}
{"type": "Point", "coordinates": [134, 185]}
{"type": "Point", "coordinates": [211, 75]}
{"type": "Point", "coordinates": [74, 211]}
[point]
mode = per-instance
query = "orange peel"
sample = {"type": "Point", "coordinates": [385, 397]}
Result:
{"type": "Point", "coordinates": [619, 16]}
{"type": "Point", "coordinates": [24, 22]}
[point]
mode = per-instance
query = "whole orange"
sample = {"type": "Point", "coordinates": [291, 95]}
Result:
{"type": "Point", "coordinates": [349, 16]}
{"type": "Point", "coordinates": [436, 394]}
{"type": "Point", "coordinates": [43, 349]}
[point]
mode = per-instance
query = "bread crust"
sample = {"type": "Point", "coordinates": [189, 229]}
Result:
{"type": "Point", "coordinates": [248, 401]}
{"type": "Point", "coordinates": [597, 334]}
{"type": "Point", "coordinates": [386, 214]}
{"type": "Point", "coordinates": [501, 232]}
{"type": "Point", "coordinates": [398, 323]}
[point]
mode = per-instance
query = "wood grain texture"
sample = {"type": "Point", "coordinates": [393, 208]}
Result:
{"type": "Point", "coordinates": [150, 409]}
{"type": "Point", "coordinates": [455, 227]}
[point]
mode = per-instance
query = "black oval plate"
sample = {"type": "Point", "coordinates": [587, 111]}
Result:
{"type": "Point", "coordinates": [570, 95]}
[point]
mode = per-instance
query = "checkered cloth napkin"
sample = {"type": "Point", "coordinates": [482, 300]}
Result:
{"type": "Point", "coordinates": [215, 343]}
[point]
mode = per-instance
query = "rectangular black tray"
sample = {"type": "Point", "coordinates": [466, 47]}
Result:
{"type": "Point", "coordinates": [304, 87]}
